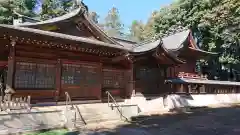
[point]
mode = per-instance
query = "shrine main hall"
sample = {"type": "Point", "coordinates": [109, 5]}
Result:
{"type": "Point", "coordinates": [71, 53]}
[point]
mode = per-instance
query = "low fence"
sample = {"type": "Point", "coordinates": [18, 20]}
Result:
{"type": "Point", "coordinates": [11, 103]}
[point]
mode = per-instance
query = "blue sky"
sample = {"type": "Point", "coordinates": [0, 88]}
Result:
{"type": "Point", "coordinates": [129, 9]}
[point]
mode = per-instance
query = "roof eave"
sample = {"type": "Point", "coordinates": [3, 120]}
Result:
{"type": "Point", "coordinates": [57, 35]}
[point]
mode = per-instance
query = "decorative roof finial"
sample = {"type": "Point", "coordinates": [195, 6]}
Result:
{"type": "Point", "coordinates": [79, 3]}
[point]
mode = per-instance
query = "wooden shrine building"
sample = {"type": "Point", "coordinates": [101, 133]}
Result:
{"type": "Point", "coordinates": [70, 53]}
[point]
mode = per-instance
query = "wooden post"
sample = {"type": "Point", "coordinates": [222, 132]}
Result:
{"type": "Point", "coordinates": [11, 67]}
{"type": "Point", "coordinates": [101, 81]}
{"type": "Point", "coordinates": [181, 88]}
{"type": "Point", "coordinates": [189, 88]}
{"type": "Point", "coordinates": [58, 79]}
{"type": "Point", "coordinates": [131, 82]}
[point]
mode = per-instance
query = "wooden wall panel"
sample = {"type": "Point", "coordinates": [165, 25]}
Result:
{"type": "Point", "coordinates": [188, 67]}
{"type": "Point", "coordinates": [81, 79]}
{"type": "Point", "coordinates": [36, 94]}
{"type": "Point", "coordinates": [11, 66]}
{"type": "Point", "coordinates": [115, 81]}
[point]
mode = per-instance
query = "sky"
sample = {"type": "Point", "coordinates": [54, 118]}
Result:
{"type": "Point", "coordinates": [129, 10]}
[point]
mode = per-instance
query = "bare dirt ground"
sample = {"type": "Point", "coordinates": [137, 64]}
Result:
{"type": "Point", "coordinates": [205, 121]}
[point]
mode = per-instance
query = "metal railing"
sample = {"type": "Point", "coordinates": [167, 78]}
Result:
{"type": "Point", "coordinates": [68, 100]}
{"type": "Point", "coordinates": [77, 110]}
{"type": "Point", "coordinates": [119, 108]}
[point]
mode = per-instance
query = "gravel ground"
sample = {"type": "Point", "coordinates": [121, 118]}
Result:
{"type": "Point", "coordinates": [208, 121]}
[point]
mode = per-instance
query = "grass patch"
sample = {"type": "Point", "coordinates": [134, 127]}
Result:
{"type": "Point", "coordinates": [50, 132]}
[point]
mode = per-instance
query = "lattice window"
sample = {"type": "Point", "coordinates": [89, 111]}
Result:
{"type": "Point", "coordinates": [35, 76]}
{"type": "Point", "coordinates": [71, 74]}
{"type": "Point", "coordinates": [113, 79]}
{"type": "Point", "coordinates": [77, 74]}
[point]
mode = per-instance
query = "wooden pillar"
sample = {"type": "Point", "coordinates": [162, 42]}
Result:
{"type": "Point", "coordinates": [189, 88]}
{"type": "Point", "coordinates": [130, 91]}
{"type": "Point", "coordinates": [11, 66]}
{"type": "Point", "coordinates": [101, 81]}
{"type": "Point", "coordinates": [58, 79]}
{"type": "Point", "coordinates": [181, 88]}
{"type": "Point", "coordinates": [203, 89]}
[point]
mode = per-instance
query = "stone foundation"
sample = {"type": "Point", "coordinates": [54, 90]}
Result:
{"type": "Point", "coordinates": [163, 104]}
{"type": "Point", "coordinates": [56, 116]}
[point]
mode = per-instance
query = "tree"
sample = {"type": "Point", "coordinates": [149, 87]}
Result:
{"type": "Point", "coordinates": [215, 25]}
{"type": "Point", "coordinates": [141, 31]}
{"type": "Point", "coordinates": [136, 31]}
{"type": "Point", "coordinates": [53, 8]}
{"type": "Point", "coordinates": [49, 9]}
{"type": "Point", "coordinates": [7, 8]}
{"type": "Point", "coordinates": [113, 25]}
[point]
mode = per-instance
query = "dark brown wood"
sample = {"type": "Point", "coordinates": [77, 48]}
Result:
{"type": "Point", "coordinates": [36, 94]}
{"type": "Point", "coordinates": [130, 90]}
{"type": "Point", "coordinates": [115, 81]}
{"type": "Point", "coordinates": [11, 65]}
{"type": "Point", "coordinates": [35, 60]}
{"type": "Point", "coordinates": [58, 79]}
{"type": "Point", "coordinates": [87, 85]}
{"type": "Point", "coordinates": [55, 53]}
{"type": "Point", "coordinates": [3, 63]}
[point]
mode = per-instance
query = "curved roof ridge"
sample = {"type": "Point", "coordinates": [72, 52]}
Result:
{"type": "Point", "coordinates": [60, 35]}
{"type": "Point", "coordinates": [81, 10]}
{"type": "Point", "coordinates": [147, 46]}
{"type": "Point", "coordinates": [175, 42]}
{"type": "Point", "coordinates": [53, 20]}
{"type": "Point", "coordinates": [143, 43]}
{"type": "Point", "coordinates": [102, 32]}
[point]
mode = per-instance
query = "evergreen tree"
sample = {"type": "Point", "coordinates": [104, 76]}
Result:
{"type": "Point", "coordinates": [113, 25]}
{"type": "Point", "coordinates": [8, 7]}
{"type": "Point", "coordinates": [215, 25]}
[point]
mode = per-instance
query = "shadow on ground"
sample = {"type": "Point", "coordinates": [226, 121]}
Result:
{"type": "Point", "coordinates": [198, 121]}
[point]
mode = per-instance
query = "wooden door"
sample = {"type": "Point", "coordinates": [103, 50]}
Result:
{"type": "Point", "coordinates": [81, 80]}
{"type": "Point", "coordinates": [114, 81]}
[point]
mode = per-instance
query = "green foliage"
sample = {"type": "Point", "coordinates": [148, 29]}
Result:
{"type": "Point", "coordinates": [215, 25]}
{"type": "Point", "coordinates": [136, 30]}
{"type": "Point", "coordinates": [143, 32]}
{"type": "Point", "coordinates": [113, 25]}
{"type": "Point", "coordinates": [55, 8]}
{"type": "Point", "coordinates": [52, 132]}
{"type": "Point", "coordinates": [7, 7]}
{"type": "Point", "coordinates": [50, 9]}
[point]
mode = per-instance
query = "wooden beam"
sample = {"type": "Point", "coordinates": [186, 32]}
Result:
{"type": "Point", "coordinates": [58, 53]}
{"type": "Point", "coordinates": [36, 55]}
{"type": "Point", "coordinates": [119, 58]}
{"type": "Point", "coordinates": [58, 79]}
{"type": "Point", "coordinates": [11, 66]}
{"type": "Point", "coordinates": [43, 61]}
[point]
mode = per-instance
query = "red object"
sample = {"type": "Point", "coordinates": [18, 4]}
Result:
{"type": "Point", "coordinates": [3, 63]}
{"type": "Point", "coordinates": [115, 92]}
